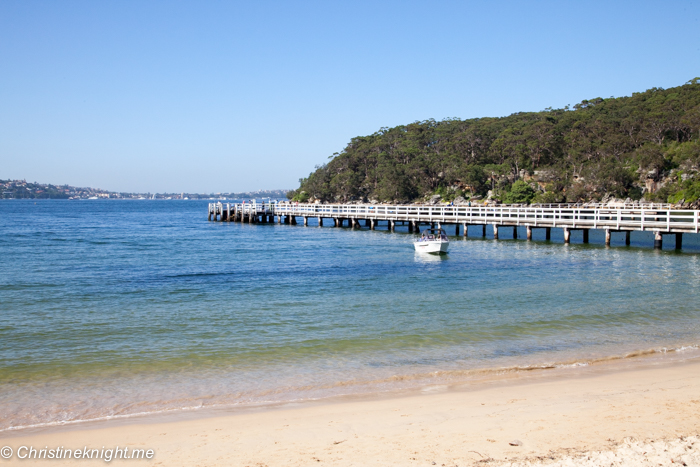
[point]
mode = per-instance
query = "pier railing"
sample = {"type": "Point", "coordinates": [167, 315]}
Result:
{"type": "Point", "coordinates": [666, 220]}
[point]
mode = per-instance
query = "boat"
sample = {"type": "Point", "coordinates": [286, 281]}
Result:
{"type": "Point", "coordinates": [432, 241]}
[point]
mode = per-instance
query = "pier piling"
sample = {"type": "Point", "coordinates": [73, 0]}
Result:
{"type": "Point", "coordinates": [644, 217]}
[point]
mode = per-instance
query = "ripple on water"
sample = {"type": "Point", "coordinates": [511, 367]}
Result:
{"type": "Point", "coordinates": [114, 308]}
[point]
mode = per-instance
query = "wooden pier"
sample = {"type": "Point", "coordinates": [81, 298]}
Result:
{"type": "Point", "coordinates": [661, 221]}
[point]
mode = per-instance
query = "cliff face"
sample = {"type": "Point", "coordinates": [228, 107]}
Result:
{"type": "Point", "coordinates": [646, 145]}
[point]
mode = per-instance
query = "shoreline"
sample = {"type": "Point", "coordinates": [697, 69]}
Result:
{"type": "Point", "coordinates": [581, 408]}
{"type": "Point", "coordinates": [404, 384]}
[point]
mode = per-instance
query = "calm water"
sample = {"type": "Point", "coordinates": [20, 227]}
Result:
{"type": "Point", "coordinates": [114, 308]}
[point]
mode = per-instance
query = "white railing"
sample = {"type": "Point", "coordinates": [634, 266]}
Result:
{"type": "Point", "coordinates": [611, 205]}
{"type": "Point", "coordinates": [668, 220]}
{"type": "Point", "coordinates": [584, 217]}
{"type": "Point", "coordinates": [247, 208]}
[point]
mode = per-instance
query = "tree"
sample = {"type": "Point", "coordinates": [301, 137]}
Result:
{"type": "Point", "coordinates": [520, 193]}
{"type": "Point", "coordinates": [602, 146]}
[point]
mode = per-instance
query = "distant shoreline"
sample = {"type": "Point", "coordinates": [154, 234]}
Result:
{"type": "Point", "coordinates": [21, 189]}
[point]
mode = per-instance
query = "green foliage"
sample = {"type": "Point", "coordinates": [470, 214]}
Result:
{"type": "Point", "coordinates": [448, 194]}
{"type": "Point", "coordinates": [689, 191]}
{"type": "Point", "coordinates": [549, 197]}
{"type": "Point", "coordinates": [604, 147]}
{"type": "Point", "coordinates": [301, 197]}
{"type": "Point", "coordinates": [684, 154]}
{"type": "Point", "coordinates": [520, 193]}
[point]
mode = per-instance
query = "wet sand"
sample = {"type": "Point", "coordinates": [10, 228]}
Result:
{"type": "Point", "coordinates": [556, 416]}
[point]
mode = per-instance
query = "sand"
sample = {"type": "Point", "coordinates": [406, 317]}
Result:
{"type": "Point", "coordinates": [600, 415]}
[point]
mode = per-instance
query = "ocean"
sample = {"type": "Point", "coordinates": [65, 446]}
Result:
{"type": "Point", "coordinates": [112, 309]}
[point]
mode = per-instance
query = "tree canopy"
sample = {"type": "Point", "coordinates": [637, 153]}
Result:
{"type": "Point", "coordinates": [644, 145]}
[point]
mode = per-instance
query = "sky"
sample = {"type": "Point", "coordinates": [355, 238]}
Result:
{"type": "Point", "coordinates": [208, 96]}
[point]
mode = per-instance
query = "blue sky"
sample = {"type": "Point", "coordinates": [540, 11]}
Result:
{"type": "Point", "coordinates": [236, 96]}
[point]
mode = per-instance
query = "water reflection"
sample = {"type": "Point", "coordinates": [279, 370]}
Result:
{"type": "Point", "coordinates": [429, 257]}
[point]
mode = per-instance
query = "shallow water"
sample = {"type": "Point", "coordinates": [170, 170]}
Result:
{"type": "Point", "coordinates": [113, 308]}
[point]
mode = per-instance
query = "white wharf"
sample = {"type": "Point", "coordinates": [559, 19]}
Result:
{"type": "Point", "coordinates": [661, 220]}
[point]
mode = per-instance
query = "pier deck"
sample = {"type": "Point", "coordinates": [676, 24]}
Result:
{"type": "Point", "coordinates": [660, 220]}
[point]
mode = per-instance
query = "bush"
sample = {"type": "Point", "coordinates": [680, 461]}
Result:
{"type": "Point", "coordinates": [301, 197]}
{"type": "Point", "coordinates": [520, 193]}
{"type": "Point", "coordinates": [690, 192]}
{"type": "Point", "coordinates": [550, 197]}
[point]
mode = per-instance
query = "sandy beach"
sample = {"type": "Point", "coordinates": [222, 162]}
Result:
{"type": "Point", "coordinates": [599, 411]}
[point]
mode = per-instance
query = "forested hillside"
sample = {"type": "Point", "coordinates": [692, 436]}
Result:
{"type": "Point", "coordinates": [646, 145]}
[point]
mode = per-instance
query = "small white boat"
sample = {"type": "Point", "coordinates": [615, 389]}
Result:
{"type": "Point", "coordinates": [432, 241]}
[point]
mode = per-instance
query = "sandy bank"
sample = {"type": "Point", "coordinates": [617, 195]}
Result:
{"type": "Point", "coordinates": [564, 412]}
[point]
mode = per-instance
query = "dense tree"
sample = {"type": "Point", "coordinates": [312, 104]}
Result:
{"type": "Point", "coordinates": [600, 148]}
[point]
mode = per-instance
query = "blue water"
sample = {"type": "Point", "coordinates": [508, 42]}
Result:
{"type": "Point", "coordinates": [114, 308]}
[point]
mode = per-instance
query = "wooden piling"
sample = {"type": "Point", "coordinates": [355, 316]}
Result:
{"type": "Point", "coordinates": [548, 233]}
{"type": "Point", "coordinates": [665, 220]}
{"type": "Point", "coordinates": [483, 231]}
